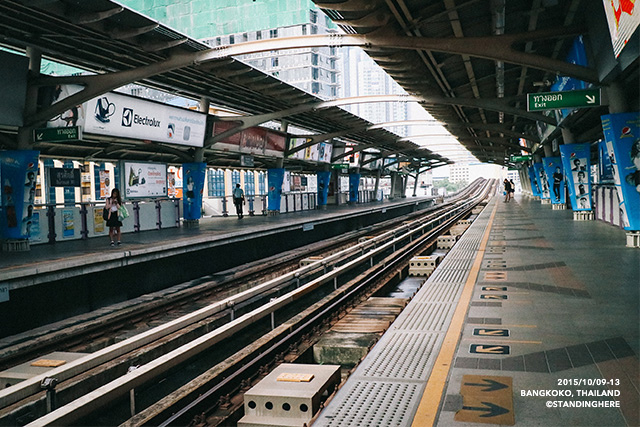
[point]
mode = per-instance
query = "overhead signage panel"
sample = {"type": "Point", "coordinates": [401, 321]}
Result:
{"type": "Point", "coordinates": [569, 99]}
{"type": "Point", "coordinates": [71, 133]}
{"type": "Point", "coordinates": [518, 159]}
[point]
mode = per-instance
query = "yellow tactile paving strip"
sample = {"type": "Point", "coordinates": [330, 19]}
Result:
{"type": "Point", "coordinates": [428, 408]}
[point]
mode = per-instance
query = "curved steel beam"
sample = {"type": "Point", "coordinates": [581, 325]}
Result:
{"type": "Point", "coordinates": [96, 85]}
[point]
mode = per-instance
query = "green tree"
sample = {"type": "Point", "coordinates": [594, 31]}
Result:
{"type": "Point", "coordinates": [451, 187]}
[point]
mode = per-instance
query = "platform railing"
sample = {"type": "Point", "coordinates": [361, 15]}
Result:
{"type": "Point", "coordinates": [54, 222]}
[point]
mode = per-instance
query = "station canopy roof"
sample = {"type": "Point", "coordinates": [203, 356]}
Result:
{"type": "Point", "coordinates": [458, 56]}
{"type": "Point", "coordinates": [104, 37]}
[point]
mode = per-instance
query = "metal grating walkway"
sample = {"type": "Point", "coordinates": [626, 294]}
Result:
{"type": "Point", "coordinates": [386, 388]}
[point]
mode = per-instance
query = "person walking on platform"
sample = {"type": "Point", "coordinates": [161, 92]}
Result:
{"type": "Point", "coordinates": [507, 189]}
{"type": "Point", "coordinates": [513, 189]}
{"type": "Point", "coordinates": [112, 204]}
{"type": "Point", "coordinates": [238, 200]}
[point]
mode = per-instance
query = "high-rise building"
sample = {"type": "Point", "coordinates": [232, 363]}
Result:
{"type": "Point", "coordinates": [313, 70]}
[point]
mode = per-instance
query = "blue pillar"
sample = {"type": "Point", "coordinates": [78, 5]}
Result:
{"type": "Point", "coordinates": [18, 174]}
{"type": "Point", "coordinates": [192, 185]}
{"type": "Point", "coordinates": [354, 184]}
{"type": "Point", "coordinates": [275, 177]}
{"type": "Point", "coordinates": [324, 178]}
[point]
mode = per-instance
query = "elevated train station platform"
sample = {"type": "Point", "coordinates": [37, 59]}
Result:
{"type": "Point", "coordinates": [530, 320]}
{"type": "Point", "coordinates": [55, 281]}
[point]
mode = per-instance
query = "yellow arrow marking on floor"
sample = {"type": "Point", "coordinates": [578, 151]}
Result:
{"type": "Point", "coordinates": [498, 349]}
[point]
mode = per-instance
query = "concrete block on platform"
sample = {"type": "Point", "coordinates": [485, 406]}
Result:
{"type": "Point", "coordinates": [289, 396]}
{"type": "Point", "coordinates": [446, 242]}
{"type": "Point", "coordinates": [583, 215]}
{"type": "Point", "coordinates": [633, 239]}
{"type": "Point", "coordinates": [343, 348]}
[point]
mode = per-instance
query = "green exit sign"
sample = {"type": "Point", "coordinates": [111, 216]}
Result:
{"type": "Point", "coordinates": [72, 133]}
{"type": "Point", "coordinates": [340, 166]}
{"type": "Point", "coordinates": [517, 159]}
{"type": "Point", "coordinates": [569, 99]}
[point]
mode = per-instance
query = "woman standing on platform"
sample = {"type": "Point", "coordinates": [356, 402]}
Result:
{"type": "Point", "coordinates": [112, 204]}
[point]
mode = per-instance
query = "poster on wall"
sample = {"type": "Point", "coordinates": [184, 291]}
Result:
{"type": "Point", "coordinates": [576, 161]}
{"type": "Point", "coordinates": [622, 136]}
{"type": "Point", "coordinates": [193, 185]}
{"type": "Point", "coordinates": [535, 189]}
{"type": "Point", "coordinates": [105, 184]}
{"type": "Point", "coordinates": [98, 221]}
{"type": "Point", "coordinates": [553, 171]}
{"type": "Point", "coordinates": [35, 235]}
{"type": "Point", "coordinates": [144, 180]}
{"type": "Point", "coordinates": [541, 179]}
{"type": "Point", "coordinates": [605, 168]}
{"type": "Point", "coordinates": [18, 174]}
{"type": "Point", "coordinates": [174, 182]}
{"type": "Point", "coordinates": [68, 229]}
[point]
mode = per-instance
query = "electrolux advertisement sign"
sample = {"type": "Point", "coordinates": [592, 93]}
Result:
{"type": "Point", "coordinates": [144, 179]}
{"type": "Point", "coordinates": [114, 114]}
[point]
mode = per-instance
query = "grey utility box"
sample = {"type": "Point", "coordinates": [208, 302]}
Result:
{"type": "Point", "coordinates": [288, 396]}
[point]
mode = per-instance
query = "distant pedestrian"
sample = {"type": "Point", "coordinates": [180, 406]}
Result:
{"type": "Point", "coordinates": [238, 200]}
{"type": "Point", "coordinates": [507, 189]}
{"type": "Point", "coordinates": [513, 189]}
{"type": "Point", "coordinates": [112, 204]}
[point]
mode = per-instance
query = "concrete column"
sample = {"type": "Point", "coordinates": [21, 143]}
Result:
{"type": "Point", "coordinates": [405, 183]}
{"type": "Point", "coordinates": [548, 150]}
{"type": "Point", "coordinates": [567, 136]}
{"type": "Point", "coordinates": [203, 106]}
{"type": "Point", "coordinates": [415, 184]}
{"type": "Point", "coordinates": [377, 185]}
{"type": "Point", "coordinates": [25, 134]}
{"type": "Point", "coordinates": [392, 193]}
{"type": "Point", "coordinates": [617, 98]}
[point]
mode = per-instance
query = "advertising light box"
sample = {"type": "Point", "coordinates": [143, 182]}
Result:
{"type": "Point", "coordinates": [114, 114]}
{"type": "Point", "coordinates": [142, 180]}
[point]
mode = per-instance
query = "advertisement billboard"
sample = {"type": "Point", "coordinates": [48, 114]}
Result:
{"type": "Point", "coordinates": [622, 136]}
{"type": "Point", "coordinates": [320, 152]}
{"type": "Point", "coordinates": [144, 180]}
{"type": "Point", "coordinates": [116, 114]}
{"type": "Point", "coordinates": [256, 140]}
{"type": "Point", "coordinates": [623, 19]}
{"type": "Point", "coordinates": [576, 159]}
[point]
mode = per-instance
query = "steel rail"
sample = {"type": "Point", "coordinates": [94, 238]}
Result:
{"type": "Point", "coordinates": [108, 392]}
{"type": "Point", "coordinates": [32, 386]}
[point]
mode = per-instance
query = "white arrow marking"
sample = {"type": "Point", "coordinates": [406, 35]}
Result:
{"type": "Point", "coordinates": [591, 99]}
{"type": "Point", "coordinates": [492, 350]}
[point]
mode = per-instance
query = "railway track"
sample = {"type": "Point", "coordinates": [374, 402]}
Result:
{"type": "Point", "coordinates": [162, 373]}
